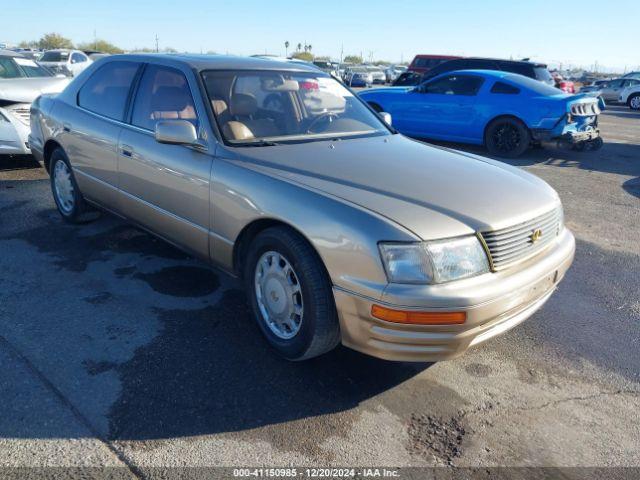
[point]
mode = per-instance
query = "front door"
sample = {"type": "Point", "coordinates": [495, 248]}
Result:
{"type": "Point", "coordinates": [445, 108]}
{"type": "Point", "coordinates": [165, 187]}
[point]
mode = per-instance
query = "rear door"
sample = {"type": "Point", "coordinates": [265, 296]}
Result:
{"type": "Point", "coordinates": [166, 187]}
{"type": "Point", "coordinates": [612, 90]}
{"type": "Point", "coordinates": [92, 127]}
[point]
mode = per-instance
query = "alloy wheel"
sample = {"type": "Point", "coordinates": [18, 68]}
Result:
{"type": "Point", "coordinates": [507, 137]}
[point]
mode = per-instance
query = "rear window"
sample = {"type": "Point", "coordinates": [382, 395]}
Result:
{"type": "Point", "coordinates": [504, 88]}
{"type": "Point", "coordinates": [534, 85]}
{"type": "Point", "coordinates": [106, 92]}
{"type": "Point", "coordinates": [543, 75]}
{"type": "Point", "coordinates": [428, 62]}
{"type": "Point", "coordinates": [55, 57]}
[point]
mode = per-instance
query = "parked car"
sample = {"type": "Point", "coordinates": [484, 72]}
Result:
{"type": "Point", "coordinates": [505, 112]}
{"type": "Point", "coordinates": [563, 84]}
{"type": "Point", "coordinates": [408, 79]}
{"type": "Point", "coordinates": [425, 63]}
{"type": "Point", "coordinates": [359, 78]}
{"type": "Point", "coordinates": [610, 91]}
{"type": "Point", "coordinates": [392, 72]}
{"type": "Point", "coordinates": [631, 96]}
{"type": "Point", "coordinates": [340, 229]}
{"type": "Point", "coordinates": [66, 62]}
{"type": "Point", "coordinates": [377, 75]}
{"type": "Point", "coordinates": [328, 67]}
{"type": "Point", "coordinates": [21, 81]}
{"type": "Point", "coordinates": [537, 71]}
{"type": "Point", "coordinates": [635, 75]}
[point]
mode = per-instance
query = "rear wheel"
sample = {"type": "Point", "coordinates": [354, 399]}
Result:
{"type": "Point", "coordinates": [290, 295]}
{"type": "Point", "coordinates": [634, 101]}
{"type": "Point", "coordinates": [66, 192]}
{"type": "Point", "coordinates": [507, 137]}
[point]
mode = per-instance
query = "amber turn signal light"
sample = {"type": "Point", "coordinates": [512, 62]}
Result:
{"type": "Point", "coordinates": [418, 318]}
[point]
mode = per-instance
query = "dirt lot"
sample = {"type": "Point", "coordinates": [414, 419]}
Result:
{"type": "Point", "coordinates": [116, 349]}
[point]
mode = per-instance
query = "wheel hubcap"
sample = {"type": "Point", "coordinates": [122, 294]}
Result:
{"type": "Point", "coordinates": [506, 137]}
{"type": "Point", "coordinates": [279, 295]}
{"type": "Point", "coordinates": [635, 103]}
{"type": "Point", "coordinates": [63, 186]}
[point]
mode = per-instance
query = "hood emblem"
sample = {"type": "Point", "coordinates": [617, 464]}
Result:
{"type": "Point", "coordinates": [536, 235]}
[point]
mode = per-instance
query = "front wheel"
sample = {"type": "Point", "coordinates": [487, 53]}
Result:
{"type": "Point", "coordinates": [290, 295]}
{"type": "Point", "coordinates": [507, 137]}
{"type": "Point", "coordinates": [634, 102]}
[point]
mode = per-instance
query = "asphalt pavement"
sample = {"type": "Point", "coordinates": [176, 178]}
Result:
{"type": "Point", "coordinates": [116, 349]}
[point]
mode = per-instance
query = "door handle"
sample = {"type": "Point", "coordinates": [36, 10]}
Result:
{"type": "Point", "coordinates": [126, 150]}
{"type": "Point", "coordinates": [66, 127]}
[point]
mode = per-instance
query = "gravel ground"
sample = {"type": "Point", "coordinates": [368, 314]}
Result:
{"type": "Point", "coordinates": [118, 350]}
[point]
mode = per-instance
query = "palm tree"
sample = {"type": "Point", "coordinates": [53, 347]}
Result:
{"type": "Point", "coordinates": [309, 47]}
{"type": "Point", "coordinates": [299, 47]}
{"type": "Point", "coordinates": [286, 48]}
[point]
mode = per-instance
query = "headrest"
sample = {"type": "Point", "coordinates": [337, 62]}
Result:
{"type": "Point", "coordinates": [243, 105]}
{"type": "Point", "coordinates": [170, 99]}
{"type": "Point", "coordinates": [219, 106]}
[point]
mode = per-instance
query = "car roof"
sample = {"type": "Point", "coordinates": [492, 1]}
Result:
{"type": "Point", "coordinates": [220, 62]}
{"type": "Point", "coordinates": [513, 62]}
{"type": "Point", "coordinates": [486, 73]}
{"type": "Point", "coordinates": [10, 53]}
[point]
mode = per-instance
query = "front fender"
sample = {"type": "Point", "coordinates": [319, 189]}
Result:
{"type": "Point", "coordinates": [345, 236]}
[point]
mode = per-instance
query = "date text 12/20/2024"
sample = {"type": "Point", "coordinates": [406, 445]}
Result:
{"type": "Point", "coordinates": [315, 473]}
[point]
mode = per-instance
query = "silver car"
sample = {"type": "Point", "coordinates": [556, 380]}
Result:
{"type": "Point", "coordinates": [341, 229]}
{"type": "Point", "coordinates": [611, 90]}
{"type": "Point", "coordinates": [64, 61]}
{"type": "Point", "coordinates": [21, 81]}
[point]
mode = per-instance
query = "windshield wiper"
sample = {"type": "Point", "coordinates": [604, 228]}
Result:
{"type": "Point", "coordinates": [261, 143]}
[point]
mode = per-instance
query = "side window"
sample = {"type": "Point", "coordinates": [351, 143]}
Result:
{"type": "Point", "coordinates": [163, 94]}
{"type": "Point", "coordinates": [455, 85]}
{"type": "Point", "coordinates": [504, 88]}
{"type": "Point", "coordinates": [522, 69]}
{"type": "Point", "coordinates": [106, 91]}
{"type": "Point", "coordinates": [78, 58]}
{"type": "Point", "coordinates": [615, 84]}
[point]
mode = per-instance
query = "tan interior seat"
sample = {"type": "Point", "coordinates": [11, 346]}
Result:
{"type": "Point", "coordinates": [172, 103]}
{"type": "Point", "coordinates": [243, 125]}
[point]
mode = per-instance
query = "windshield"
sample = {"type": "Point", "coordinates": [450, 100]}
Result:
{"type": "Point", "coordinates": [534, 85]}
{"type": "Point", "coordinates": [543, 75]}
{"type": "Point", "coordinates": [252, 107]}
{"type": "Point", "coordinates": [17, 67]}
{"type": "Point", "coordinates": [55, 56]}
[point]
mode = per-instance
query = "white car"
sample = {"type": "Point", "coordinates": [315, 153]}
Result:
{"type": "Point", "coordinates": [67, 62]}
{"type": "Point", "coordinates": [22, 80]}
{"type": "Point", "coordinates": [631, 97]}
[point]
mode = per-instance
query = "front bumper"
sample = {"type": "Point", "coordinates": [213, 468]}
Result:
{"type": "Point", "coordinates": [494, 303]}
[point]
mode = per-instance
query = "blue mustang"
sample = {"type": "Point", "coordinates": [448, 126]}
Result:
{"type": "Point", "coordinates": [504, 111]}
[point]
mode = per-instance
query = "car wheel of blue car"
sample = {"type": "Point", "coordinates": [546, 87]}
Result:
{"type": "Point", "coordinates": [507, 137]}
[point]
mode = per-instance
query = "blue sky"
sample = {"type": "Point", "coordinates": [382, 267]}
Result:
{"type": "Point", "coordinates": [579, 32]}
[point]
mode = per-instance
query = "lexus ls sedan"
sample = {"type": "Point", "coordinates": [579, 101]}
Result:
{"type": "Point", "coordinates": [341, 229]}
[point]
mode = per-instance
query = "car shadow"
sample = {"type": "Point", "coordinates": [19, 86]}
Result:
{"type": "Point", "coordinates": [17, 162]}
{"type": "Point", "coordinates": [210, 371]}
{"type": "Point", "coordinates": [613, 157]}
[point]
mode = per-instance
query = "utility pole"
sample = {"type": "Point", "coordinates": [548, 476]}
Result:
{"type": "Point", "coordinates": [95, 39]}
{"type": "Point", "coordinates": [157, 50]}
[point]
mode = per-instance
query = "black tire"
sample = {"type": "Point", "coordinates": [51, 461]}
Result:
{"type": "Point", "coordinates": [630, 101]}
{"type": "Point", "coordinates": [507, 137]}
{"type": "Point", "coordinates": [319, 330]}
{"type": "Point", "coordinates": [80, 211]}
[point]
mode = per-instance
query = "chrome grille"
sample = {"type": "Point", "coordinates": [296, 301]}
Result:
{"type": "Point", "coordinates": [516, 243]}
{"type": "Point", "coordinates": [22, 113]}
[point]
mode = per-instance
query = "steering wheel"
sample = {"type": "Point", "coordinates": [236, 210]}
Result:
{"type": "Point", "coordinates": [322, 116]}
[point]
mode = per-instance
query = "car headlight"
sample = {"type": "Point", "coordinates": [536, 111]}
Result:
{"type": "Point", "coordinates": [434, 262]}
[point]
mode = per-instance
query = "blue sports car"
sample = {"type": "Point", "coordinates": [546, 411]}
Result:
{"type": "Point", "coordinates": [504, 111]}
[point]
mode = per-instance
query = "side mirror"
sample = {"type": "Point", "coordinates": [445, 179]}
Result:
{"type": "Point", "coordinates": [176, 132]}
{"type": "Point", "coordinates": [386, 117]}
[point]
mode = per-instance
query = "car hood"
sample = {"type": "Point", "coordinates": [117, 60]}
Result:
{"type": "Point", "coordinates": [431, 191]}
{"type": "Point", "coordinates": [26, 90]}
